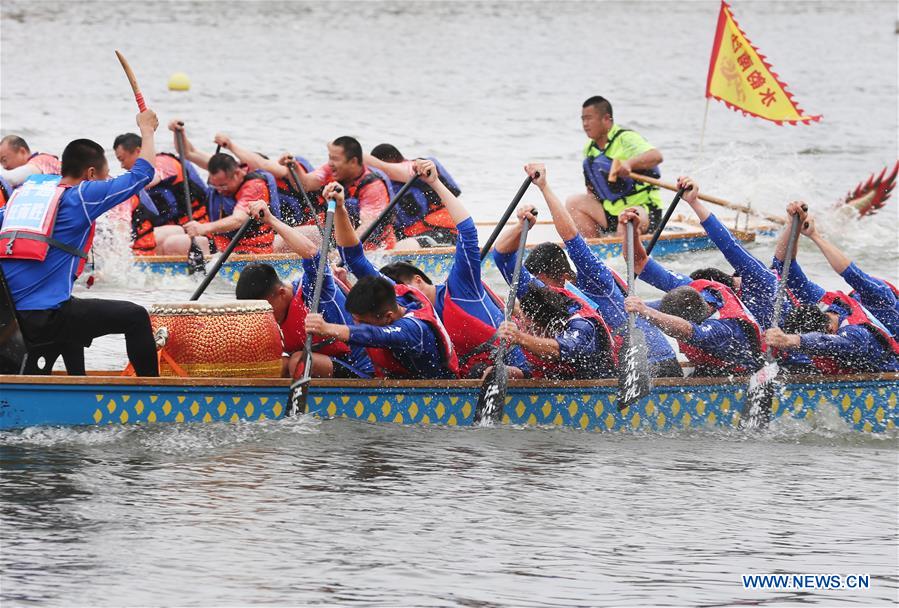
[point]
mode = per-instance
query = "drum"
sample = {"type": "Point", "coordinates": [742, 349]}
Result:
{"type": "Point", "coordinates": [219, 339]}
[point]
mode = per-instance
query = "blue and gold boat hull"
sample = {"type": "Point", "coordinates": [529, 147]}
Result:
{"type": "Point", "coordinates": [865, 403]}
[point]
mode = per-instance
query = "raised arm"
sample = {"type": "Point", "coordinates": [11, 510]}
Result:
{"type": "Point", "coordinates": [565, 225]}
{"type": "Point", "coordinates": [427, 172]}
{"type": "Point", "coordinates": [252, 159]}
{"type": "Point", "coordinates": [197, 157]}
{"type": "Point", "coordinates": [398, 172]}
{"type": "Point", "coordinates": [838, 260]}
{"type": "Point", "coordinates": [691, 196]}
{"type": "Point", "coordinates": [298, 243]}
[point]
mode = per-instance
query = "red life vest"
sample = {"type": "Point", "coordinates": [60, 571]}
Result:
{"type": "Point", "coordinates": [46, 163]}
{"type": "Point", "coordinates": [857, 316]}
{"type": "Point", "coordinates": [472, 338]}
{"type": "Point", "coordinates": [293, 329]}
{"type": "Point", "coordinates": [383, 237]}
{"type": "Point", "coordinates": [560, 369]}
{"type": "Point", "coordinates": [732, 308]}
{"type": "Point", "coordinates": [386, 365]}
{"type": "Point", "coordinates": [29, 221]}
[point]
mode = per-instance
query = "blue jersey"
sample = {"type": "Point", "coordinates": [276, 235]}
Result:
{"type": "Point", "coordinates": [875, 295]}
{"type": "Point", "coordinates": [332, 306]}
{"type": "Point", "coordinates": [759, 283]}
{"type": "Point", "coordinates": [854, 346]}
{"type": "Point", "coordinates": [410, 340]}
{"type": "Point", "coordinates": [724, 339]}
{"type": "Point", "coordinates": [599, 285]}
{"type": "Point", "coordinates": [467, 289]}
{"type": "Point", "coordinates": [47, 285]}
{"type": "Point", "coordinates": [581, 343]}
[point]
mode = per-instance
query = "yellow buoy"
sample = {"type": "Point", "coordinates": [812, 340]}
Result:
{"type": "Point", "coordinates": [179, 82]}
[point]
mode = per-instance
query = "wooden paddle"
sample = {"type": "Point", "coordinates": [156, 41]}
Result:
{"type": "Point", "coordinates": [133, 80]}
{"type": "Point", "coordinates": [634, 379]}
{"type": "Point", "coordinates": [297, 186]}
{"type": "Point", "coordinates": [299, 390]}
{"type": "Point", "coordinates": [762, 384]}
{"type": "Point", "coordinates": [664, 222]}
{"type": "Point", "coordinates": [492, 396]}
{"type": "Point", "coordinates": [222, 259]}
{"type": "Point", "coordinates": [710, 199]}
{"type": "Point", "coordinates": [506, 215]}
{"type": "Point", "coordinates": [195, 260]}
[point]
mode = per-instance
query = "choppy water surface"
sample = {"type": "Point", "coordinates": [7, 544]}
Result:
{"type": "Point", "coordinates": [306, 511]}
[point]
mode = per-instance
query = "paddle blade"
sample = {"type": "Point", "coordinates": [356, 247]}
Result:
{"type": "Point", "coordinates": [634, 377]}
{"type": "Point", "coordinates": [492, 396]}
{"type": "Point", "coordinates": [195, 260]}
{"type": "Point", "coordinates": [299, 396]}
{"type": "Point", "coordinates": [759, 395]}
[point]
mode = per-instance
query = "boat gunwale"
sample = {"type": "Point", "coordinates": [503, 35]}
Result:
{"type": "Point", "coordinates": [114, 379]}
{"type": "Point", "coordinates": [741, 235]}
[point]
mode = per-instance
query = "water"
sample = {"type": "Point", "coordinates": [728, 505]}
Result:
{"type": "Point", "coordinates": [306, 512]}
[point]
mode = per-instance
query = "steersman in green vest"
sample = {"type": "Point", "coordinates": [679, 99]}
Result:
{"type": "Point", "coordinates": [596, 211]}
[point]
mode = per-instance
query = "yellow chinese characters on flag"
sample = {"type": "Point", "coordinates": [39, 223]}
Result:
{"type": "Point", "coordinates": [741, 78]}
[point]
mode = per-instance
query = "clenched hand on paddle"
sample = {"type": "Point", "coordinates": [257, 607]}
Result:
{"type": "Point", "coordinates": [762, 384]}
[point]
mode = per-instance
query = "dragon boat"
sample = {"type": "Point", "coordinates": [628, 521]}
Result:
{"type": "Point", "coordinates": [435, 261]}
{"type": "Point", "coordinates": [865, 403]}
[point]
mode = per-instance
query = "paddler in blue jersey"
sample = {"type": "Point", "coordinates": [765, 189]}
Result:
{"type": "Point", "coordinates": [258, 281]}
{"type": "Point", "coordinates": [420, 218]}
{"type": "Point", "coordinates": [714, 329]}
{"type": "Point", "coordinates": [880, 298]}
{"type": "Point", "coordinates": [602, 286]}
{"type": "Point", "coordinates": [563, 337]}
{"type": "Point", "coordinates": [610, 190]}
{"type": "Point", "coordinates": [470, 312]}
{"type": "Point", "coordinates": [396, 323]}
{"type": "Point", "coordinates": [41, 260]}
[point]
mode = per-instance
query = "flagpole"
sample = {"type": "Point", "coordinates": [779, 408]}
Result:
{"type": "Point", "coordinates": [705, 120]}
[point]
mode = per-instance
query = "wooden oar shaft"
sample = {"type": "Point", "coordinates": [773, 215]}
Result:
{"type": "Point", "coordinates": [793, 241]}
{"type": "Point", "coordinates": [133, 80]}
{"type": "Point", "coordinates": [506, 215]}
{"type": "Point", "coordinates": [221, 260]}
{"type": "Point", "coordinates": [709, 199]}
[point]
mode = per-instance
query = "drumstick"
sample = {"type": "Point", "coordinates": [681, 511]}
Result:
{"type": "Point", "coordinates": [130, 74]}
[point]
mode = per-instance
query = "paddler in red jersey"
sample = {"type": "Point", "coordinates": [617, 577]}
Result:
{"type": "Point", "coordinates": [42, 258]}
{"type": "Point", "coordinates": [153, 221]}
{"type": "Point", "coordinates": [367, 190]}
{"type": "Point", "coordinates": [232, 187]}
{"type": "Point", "coordinates": [19, 162]}
{"type": "Point", "coordinates": [294, 210]}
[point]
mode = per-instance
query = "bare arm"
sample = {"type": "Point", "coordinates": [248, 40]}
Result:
{"type": "Point", "coordinates": [780, 249]}
{"type": "Point", "coordinates": [565, 225]}
{"type": "Point", "coordinates": [398, 172]}
{"type": "Point", "coordinates": [298, 243]}
{"type": "Point", "coordinates": [147, 122]}
{"type": "Point", "coordinates": [201, 159]}
{"type": "Point", "coordinates": [647, 160]}
{"type": "Point", "coordinates": [252, 159]}
{"type": "Point", "coordinates": [691, 195]}
{"type": "Point", "coordinates": [546, 348]}
{"type": "Point", "coordinates": [836, 258]}
{"type": "Point", "coordinates": [672, 325]}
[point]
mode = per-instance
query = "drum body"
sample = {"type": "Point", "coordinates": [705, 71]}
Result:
{"type": "Point", "coordinates": [237, 339]}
